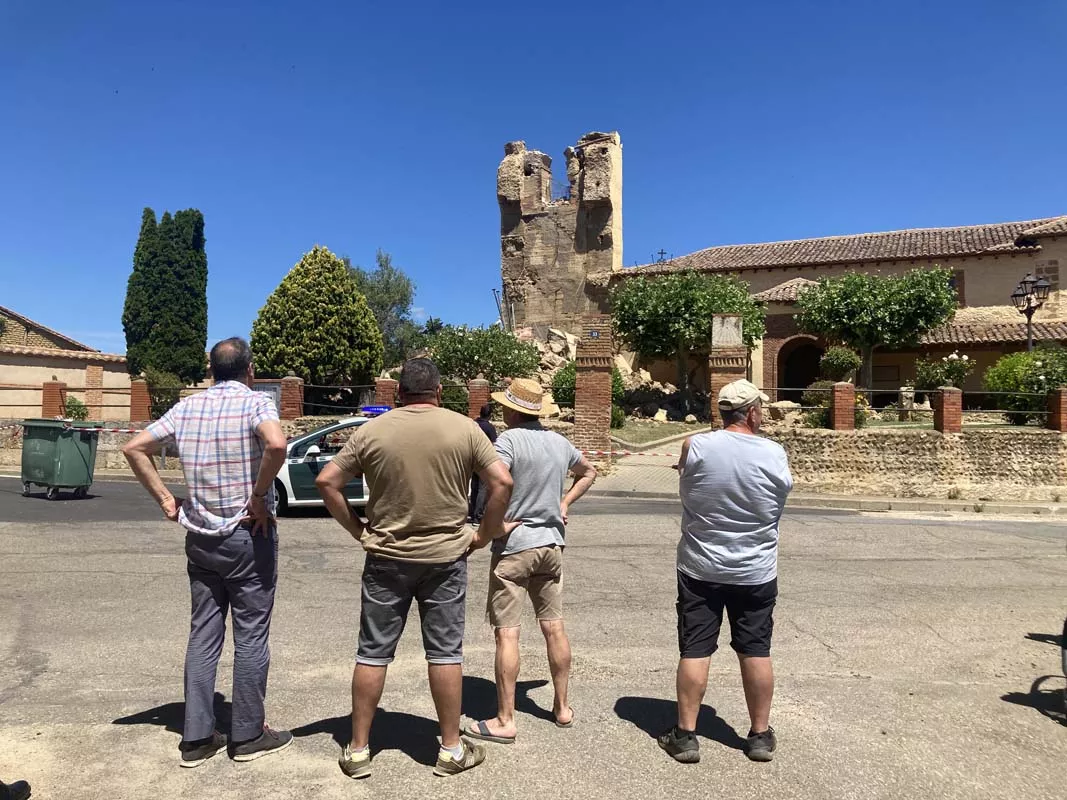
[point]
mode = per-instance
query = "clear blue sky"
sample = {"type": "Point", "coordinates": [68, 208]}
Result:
{"type": "Point", "coordinates": [366, 125]}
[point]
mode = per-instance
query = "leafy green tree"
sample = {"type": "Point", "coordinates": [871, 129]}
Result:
{"type": "Point", "coordinates": [869, 311]}
{"type": "Point", "coordinates": [462, 353]}
{"type": "Point", "coordinates": [318, 326]}
{"type": "Point", "coordinates": [671, 316]}
{"type": "Point", "coordinates": [839, 364]}
{"type": "Point", "coordinates": [432, 327]}
{"type": "Point", "coordinates": [390, 293]}
{"type": "Point", "coordinates": [165, 315]}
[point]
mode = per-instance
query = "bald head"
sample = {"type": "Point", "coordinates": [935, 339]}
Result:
{"type": "Point", "coordinates": [230, 360]}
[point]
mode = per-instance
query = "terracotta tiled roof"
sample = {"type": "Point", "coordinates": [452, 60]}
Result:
{"type": "Point", "coordinates": [1056, 227]}
{"type": "Point", "coordinates": [995, 333]}
{"type": "Point", "coordinates": [82, 355]}
{"type": "Point", "coordinates": [37, 326]}
{"type": "Point", "coordinates": [784, 292]}
{"type": "Point", "coordinates": [916, 243]}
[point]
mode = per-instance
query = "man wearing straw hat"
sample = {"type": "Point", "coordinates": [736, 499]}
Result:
{"type": "Point", "coordinates": [528, 557]}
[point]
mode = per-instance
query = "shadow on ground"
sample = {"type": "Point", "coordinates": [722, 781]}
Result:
{"type": "Point", "coordinates": [1044, 697]}
{"type": "Point", "coordinates": [479, 699]}
{"type": "Point", "coordinates": [1046, 638]}
{"type": "Point", "coordinates": [654, 716]}
{"type": "Point", "coordinates": [172, 716]}
{"type": "Point", "coordinates": [392, 730]}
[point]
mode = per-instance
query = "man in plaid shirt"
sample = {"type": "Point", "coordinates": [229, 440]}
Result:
{"type": "Point", "coordinates": [231, 447]}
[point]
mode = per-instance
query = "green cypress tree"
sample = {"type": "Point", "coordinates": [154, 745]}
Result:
{"type": "Point", "coordinates": [318, 325]}
{"type": "Point", "coordinates": [166, 299]}
{"type": "Point", "coordinates": [137, 314]}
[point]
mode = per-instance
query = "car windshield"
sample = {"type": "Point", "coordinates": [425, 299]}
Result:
{"type": "Point", "coordinates": [329, 439]}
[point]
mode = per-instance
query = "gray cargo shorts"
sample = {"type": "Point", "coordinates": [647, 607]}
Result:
{"type": "Point", "coordinates": [389, 586]}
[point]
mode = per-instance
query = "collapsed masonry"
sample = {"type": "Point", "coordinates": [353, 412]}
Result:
{"type": "Point", "coordinates": [557, 253]}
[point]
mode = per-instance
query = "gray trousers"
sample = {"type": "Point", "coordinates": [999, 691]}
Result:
{"type": "Point", "coordinates": [235, 573]}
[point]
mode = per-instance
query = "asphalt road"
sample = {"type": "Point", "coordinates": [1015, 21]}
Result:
{"type": "Point", "coordinates": [914, 658]}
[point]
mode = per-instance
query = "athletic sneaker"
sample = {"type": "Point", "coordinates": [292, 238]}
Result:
{"type": "Point", "coordinates": [680, 745]}
{"type": "Point", "coordinates": [19, 790]}
{"type": "Point", "coordinates": [473, 755]}
{"type": "Point", "coordinates": [357, 766]}
{"type": "Point", "coordinates": [761, 746]}
{"type": "Point", "coordinates": [196, 753]}
{"type": "Point", "coordinates": [266, 743]}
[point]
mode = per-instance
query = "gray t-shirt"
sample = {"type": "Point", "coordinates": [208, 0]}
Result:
{"type": "Point", "coordinates": [539, 461]}
{"type": "Point", "coordinates": [733, 488]}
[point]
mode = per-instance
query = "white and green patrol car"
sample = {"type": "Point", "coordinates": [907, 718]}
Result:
{"type": "Point", "coordinates": [305, 457]}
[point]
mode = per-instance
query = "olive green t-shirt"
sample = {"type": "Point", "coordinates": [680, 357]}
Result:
{"type": "Point", "coordinates": [418, 464]}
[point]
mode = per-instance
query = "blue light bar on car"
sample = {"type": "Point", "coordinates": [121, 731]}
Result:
{"type": "Point", "coordinates": [373, 411]}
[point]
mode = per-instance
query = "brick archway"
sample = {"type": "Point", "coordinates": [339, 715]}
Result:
{"type": "Point", "coordinates": [797, 365]}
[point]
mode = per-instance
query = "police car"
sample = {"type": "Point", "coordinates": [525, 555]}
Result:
{"type": "Point", "coordinates": [307, 454]}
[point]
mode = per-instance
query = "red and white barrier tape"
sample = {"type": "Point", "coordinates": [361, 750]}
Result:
{"type": "Point", "coordinates": [625, 453]}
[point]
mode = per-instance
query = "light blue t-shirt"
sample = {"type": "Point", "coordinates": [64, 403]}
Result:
{"type": "Point", "coordinates": [539, 461]}
{"type": "Point", "coordinates": [733, 488]}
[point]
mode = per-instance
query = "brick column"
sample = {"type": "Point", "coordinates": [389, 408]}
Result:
{"type": "Point", "coordinates": [94, 391]}
{"type": "Point", "coordinates": [385, 392]}
{"type": "Point", "coordinates": [53, 399]}
{"type": "Point", "coordinates": [725, 365]}
{"type": "Point", "coordinates": [477, 396]}
{"type": "Point", "coordinates": [292, 405]}
{"type": "Point", "coordinates": [592, 384]}
{"type": "Point", "coordinates": [140, 402]}
{"type": "Point", "coordinates": [948, 410]}
{"type": "Point", "coordinates": [1057, 410]}
{"type": "Point", "coordinates": [843, 407]}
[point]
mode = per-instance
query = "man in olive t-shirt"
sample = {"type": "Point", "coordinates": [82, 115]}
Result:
{"type": "Point", "coordinates": [418, 460]}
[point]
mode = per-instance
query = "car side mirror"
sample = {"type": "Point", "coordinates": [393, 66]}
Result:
{"type": "Point", "coordinates": [312, 452]}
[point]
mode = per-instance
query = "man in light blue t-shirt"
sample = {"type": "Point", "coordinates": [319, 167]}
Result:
{"type": "Point", "coordinates": [733, 486]}
{"type": "Point", "coordinates": [528, 557]}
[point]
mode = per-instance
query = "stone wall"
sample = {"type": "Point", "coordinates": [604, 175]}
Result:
{"type": "Point", "coordinates": [1015, 463]}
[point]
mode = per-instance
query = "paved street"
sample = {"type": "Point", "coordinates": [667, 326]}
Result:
{"type": "Point", "coordinates": [911, 656]}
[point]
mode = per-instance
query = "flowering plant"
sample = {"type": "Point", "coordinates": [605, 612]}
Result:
{"type": "Point", "coordinates": [950, 370]}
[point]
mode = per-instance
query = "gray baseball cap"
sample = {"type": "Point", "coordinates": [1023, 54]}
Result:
{"type": "Point", "coordinates": [740, 394]}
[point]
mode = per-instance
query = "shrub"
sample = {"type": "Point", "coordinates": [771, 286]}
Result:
{"type": "Point", "coordinates": [1027, 377]}
{"type": "Point", "coordinates": [618, 416]}
{"type": "Point", "coordinates": [817, 394]}
{"type": "Point", "coordinates": [164, 390]}
{"type": "Point", "coordinates": [564, 381]}
{"type": "Point", "coordinates": [463, 353]}
{"type": "Point", "coordinates": [839, 364]}
{"type": "Point", "coordinates": [455, 397]}
{"type": "Point", "coordinates": [950, 370]}
{"type": "Point", "coordinates": [75, 409]}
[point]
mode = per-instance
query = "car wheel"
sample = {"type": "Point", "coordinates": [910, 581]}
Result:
{"type": "Point", "coordinates": [283, 498]}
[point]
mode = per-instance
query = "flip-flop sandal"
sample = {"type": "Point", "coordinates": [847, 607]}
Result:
{"type": "Point", "coordinates": [479, 730]}
{"type": "Point", "coordinates": [566, 724]}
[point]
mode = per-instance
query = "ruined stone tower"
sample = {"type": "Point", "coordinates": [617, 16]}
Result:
{"type": "Point", "coordinates": [557, 254]}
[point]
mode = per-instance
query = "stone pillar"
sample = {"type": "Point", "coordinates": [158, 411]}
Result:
{"type": "Point", "coordinates": [385, 392]}
{"type": "Point", "coordinates": [592, 384]}
{"type": "Point", "coordinates": [140, 402]}
{"type": "Point", "coordinates": [948, 410]}
{"type": "Point", "coordinates": [53, 399]}
{"type": "Point", "coordinates": [727, 360]}
{"type": "Point", "coordinates": [94, 391]}
{"type": "Point", "coordinates": [477, 396]}
{"type": "Point", "coordinates": [1057, 410]}
{"type": "Point", "coordinates": [843, 407]}
{"type": "Point", "coordinates": [292, 400]}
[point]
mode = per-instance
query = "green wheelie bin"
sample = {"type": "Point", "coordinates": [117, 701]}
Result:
{"type": "Point", "coordinates": [58, 454]}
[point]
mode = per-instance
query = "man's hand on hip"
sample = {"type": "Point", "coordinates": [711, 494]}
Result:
{"type": "Point", "coordinates": [171, 505]}
{"type": "Point", "coordinates": [258, 514]}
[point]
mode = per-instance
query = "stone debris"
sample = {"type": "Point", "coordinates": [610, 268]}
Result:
{"type": "Point", "coordinates": [783, 408]}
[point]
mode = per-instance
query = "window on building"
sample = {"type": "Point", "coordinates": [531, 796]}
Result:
{"type": "Point", "coordinates": [957, 284]}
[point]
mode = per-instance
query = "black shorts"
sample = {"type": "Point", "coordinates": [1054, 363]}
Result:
{"type": "Point", "coordinates": [700, 608]}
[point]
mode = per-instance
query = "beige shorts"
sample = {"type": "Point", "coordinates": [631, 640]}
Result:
{"type": "Point", "coordinates": [537, 572]}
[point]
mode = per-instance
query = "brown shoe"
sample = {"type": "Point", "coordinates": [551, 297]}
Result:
{"type": "Point", "coordinates": [473, 755]}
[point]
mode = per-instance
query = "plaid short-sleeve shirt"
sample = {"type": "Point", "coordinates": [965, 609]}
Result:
{"type": "Point", "coordinates": [215, 433]}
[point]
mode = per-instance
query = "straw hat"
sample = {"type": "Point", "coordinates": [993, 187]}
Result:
{"type": "Point", "coordinates": [527, 397]}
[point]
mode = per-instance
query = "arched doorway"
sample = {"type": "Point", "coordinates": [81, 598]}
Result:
{"type": "Point", "coordinates": [798, 367]}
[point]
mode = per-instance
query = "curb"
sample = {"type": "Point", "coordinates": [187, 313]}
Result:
{"type": "Point", "coordinates": [875, 504]}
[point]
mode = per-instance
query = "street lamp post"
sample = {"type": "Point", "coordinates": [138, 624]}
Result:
{"type": "Point", "coordinates": [1028, 297]}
